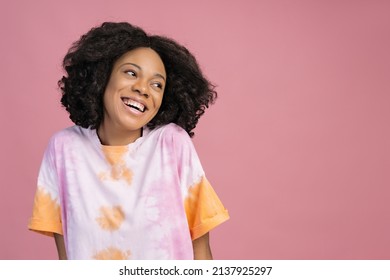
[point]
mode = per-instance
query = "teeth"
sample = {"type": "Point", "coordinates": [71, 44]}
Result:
{"type": "Point", "coordinates": [134, 104]}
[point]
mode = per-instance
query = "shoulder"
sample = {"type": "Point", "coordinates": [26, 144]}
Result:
{"type": "Point", "coordinates": [172, 132]}
{"type": "Point", "coordinates": [177, 142]}
{"type": "Point", "coordinates": [72, 131]}
{"type": "Point", "coordinates": [69, 135]}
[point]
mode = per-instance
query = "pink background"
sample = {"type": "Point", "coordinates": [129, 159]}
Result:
{"type": "Point", "coordinates": [297, 145]}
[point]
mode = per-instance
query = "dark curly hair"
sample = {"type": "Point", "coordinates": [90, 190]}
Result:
{"type": "Point", "coordinates": [89, 62]}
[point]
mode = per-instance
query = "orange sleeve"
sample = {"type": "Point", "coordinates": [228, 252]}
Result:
{"type": "Point", "coordinates": [46, 217]}
{"type": "Point", "coordinates": [203, 208]}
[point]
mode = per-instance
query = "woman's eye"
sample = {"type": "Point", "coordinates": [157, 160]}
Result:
{"type": "Point", "coordinates": [158, 85]}
{"type": "Point", "coordinates": [131, 73]}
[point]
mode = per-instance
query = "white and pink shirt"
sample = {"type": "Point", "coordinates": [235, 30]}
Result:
{"type": "Point", "coordinates": [145, 200]}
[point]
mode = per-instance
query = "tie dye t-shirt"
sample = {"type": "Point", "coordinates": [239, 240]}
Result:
{"type": "Point", "coordinates": [145, 200]}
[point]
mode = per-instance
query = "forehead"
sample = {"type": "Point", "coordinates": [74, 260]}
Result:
{"type": "Point", "coordinates": [146, 58]}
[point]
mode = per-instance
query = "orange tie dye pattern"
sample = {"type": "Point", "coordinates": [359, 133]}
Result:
{"type": "Point", "coordinates": [114, 156]}
{"type": "Point", "coordinates": [203, 208]}
{"type": "Point", "coordinates": [112, 253]}
{"type": "Point", "coordinates": [49, 212]}
{"type": "Point", "coordinates": [111, 218]}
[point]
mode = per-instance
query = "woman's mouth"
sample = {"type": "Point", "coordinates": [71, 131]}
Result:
{"type": "Point", "coordinates": [133, 104]}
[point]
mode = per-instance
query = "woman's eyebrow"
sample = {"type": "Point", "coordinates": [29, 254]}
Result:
{"type": "Point", "coordinates": [140, 68]}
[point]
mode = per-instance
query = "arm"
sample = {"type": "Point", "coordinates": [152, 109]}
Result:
{"type": "Point", "coordinates": [60, 246]}
{"type": "Point", "coordinates": [201, 248]}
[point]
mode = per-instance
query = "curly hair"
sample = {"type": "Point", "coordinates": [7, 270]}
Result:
{"type": "Point", "coordinates": [89, 62]}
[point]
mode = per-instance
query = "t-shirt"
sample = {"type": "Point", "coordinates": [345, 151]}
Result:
{"type": "Point", "coordinates": [145, 200]}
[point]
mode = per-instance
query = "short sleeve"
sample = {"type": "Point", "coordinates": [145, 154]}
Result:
{"type": "Point", "coordinates": [46, 214]}
{"type": "Point", "coordinates": [203, 208]}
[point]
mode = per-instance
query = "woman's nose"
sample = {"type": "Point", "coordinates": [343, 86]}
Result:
{"type": "Point", "coordinates": [141, 87]}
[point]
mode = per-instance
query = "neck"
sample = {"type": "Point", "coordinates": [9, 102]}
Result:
{"type": "Point", "coordinates": [110, 136]}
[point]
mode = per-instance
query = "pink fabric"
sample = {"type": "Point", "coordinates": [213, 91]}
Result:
{"type": "Point", "coordinates": [125, 202]}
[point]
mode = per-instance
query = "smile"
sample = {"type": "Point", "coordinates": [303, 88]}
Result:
{"type": "Point", "coordinates": [133, 104]}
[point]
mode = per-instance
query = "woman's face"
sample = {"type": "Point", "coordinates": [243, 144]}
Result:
{"type": "Point", "coordinates": [135, 90]}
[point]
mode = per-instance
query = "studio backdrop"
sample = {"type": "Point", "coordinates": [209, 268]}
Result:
{"type": "Point", "coordinates": [297, 145]}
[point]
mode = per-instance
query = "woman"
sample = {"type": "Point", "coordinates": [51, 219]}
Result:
{"type": "Point", "coordinates": [125, 181]}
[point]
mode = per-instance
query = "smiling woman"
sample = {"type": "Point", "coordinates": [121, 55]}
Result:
{"type": "Point", "coordinates": [132, 97]}
{"type": "Point", "coordinates": [90, 62]}
{"type": "Point", "coordinates": [125, 181]}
